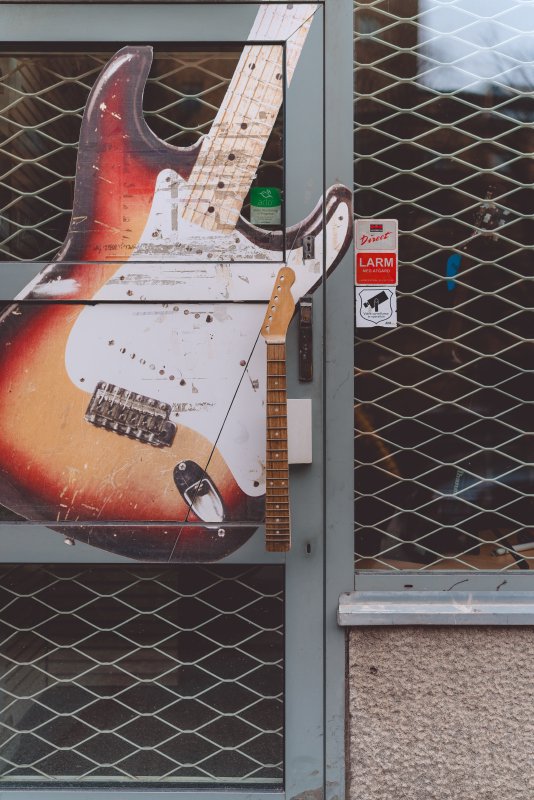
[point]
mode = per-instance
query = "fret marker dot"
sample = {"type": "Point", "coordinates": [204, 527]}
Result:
{"type": "Point", "coordinates": [220, 185]}
{"type": "Point", "coordinates": [231, 157]}
{"type": "Point", "coordinates": [211, 210]}
{"type": "Point", "coordinates": [244, 126]}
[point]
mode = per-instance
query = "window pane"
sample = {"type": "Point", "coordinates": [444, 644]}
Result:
{"type": "Point", "coordinates": [444, 142]}
{"type": "Point", "coordinates": [141, 675]}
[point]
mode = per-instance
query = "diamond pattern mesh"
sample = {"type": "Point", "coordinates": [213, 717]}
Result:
{"type": "Point", "coordinates": [443, 142]}
{"type": "Point", "coordinates": [42, 98]}
{"type": "Point", "coordinates": [141, 675]}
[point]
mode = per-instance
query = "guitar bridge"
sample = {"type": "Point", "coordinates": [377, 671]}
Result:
{"type": "Point", "coordinates": [131, 414]}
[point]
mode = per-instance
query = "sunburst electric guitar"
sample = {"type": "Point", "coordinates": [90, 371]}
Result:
{"type": "Point", "coordinates": [131, 398]}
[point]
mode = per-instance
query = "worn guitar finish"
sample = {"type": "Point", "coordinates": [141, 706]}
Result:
{"type": "Point", "coordinates": [74, 450]}
{"type": "Point", "coordinates": [54, 465]}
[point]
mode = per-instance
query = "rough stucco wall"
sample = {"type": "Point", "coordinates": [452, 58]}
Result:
{"type": "Point", "coordinates": [441, 713]}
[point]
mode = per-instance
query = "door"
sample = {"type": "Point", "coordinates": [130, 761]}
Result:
{"type": "Point", "coordinates": [167, 648]}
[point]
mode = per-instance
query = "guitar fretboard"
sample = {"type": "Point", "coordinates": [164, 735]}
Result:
{"type": "Point", "coordinates": [277, 516]}
{"type": "Point", "coordinates": [230, 154]}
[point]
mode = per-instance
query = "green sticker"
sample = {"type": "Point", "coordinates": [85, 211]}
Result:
{"type": "Point", "coordinates": [265, 205]}
{"type": "Point", "coordinates": [265, 196]}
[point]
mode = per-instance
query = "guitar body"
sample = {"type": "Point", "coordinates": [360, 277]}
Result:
{"type": "Point", "coordinates": [106, 418]}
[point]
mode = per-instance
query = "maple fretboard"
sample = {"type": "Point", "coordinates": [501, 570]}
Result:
{"type": "Point", "coordinates": [230, 153]}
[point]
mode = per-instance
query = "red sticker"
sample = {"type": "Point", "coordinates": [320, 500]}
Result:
{"type": "Point", "coordinates": [376, 269]}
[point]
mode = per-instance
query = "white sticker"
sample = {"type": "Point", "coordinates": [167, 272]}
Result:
{"type": "Point", "coordinates": [376, 306]}
{"type": "Point", "coordinates": [266, 216]}
{"type": "Point", "coordinates": [377, 234]}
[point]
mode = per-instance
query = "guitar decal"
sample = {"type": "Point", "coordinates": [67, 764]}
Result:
{"type": "Point", "coordinates": [155, 412]}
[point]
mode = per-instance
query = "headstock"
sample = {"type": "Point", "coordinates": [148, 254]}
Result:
{"type": "Point", "coordinates": [280, 309]}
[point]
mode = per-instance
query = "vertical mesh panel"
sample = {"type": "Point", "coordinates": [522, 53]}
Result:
{"type": "Point", "coordinates": [443, 142]}
{"type": "Point", "coordinates": [143, 675]}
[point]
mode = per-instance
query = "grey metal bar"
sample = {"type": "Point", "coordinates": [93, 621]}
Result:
{"type": "Point", "coordinates": [153, 22]}
{"type": "Point", "coordinates": [127, 794]}
{"type": "Point", "coordinates": [339, 413]}
{"type": "Point", "coordinates": [36, 544]}
{"type": "Point", "coordinates": [435, 608]}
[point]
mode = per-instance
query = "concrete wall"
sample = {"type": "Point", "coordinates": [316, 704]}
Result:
{"type": "Point", "coordinates": [441, 713]}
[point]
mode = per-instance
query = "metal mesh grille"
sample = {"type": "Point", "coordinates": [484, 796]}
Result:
{"type": "Point", "coordinates": [42, 98]}
{"type": "Point", "coordinates": [141, 675]}
{"type": "Point", "coordinates": [444, 141]}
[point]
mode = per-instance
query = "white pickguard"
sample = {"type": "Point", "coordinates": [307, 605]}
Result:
{"type": "Point", "coordinates": [188, 351]}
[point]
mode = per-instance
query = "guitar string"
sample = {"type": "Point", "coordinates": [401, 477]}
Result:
{"type": "Point", "coordinates": [205, 523]}
{"type": "Point", "coordinates": [219, 434]}
{"type": "Point", "coordinates": [295, 53]}
{"type": "Point", "coordinates": [231, 404]}
{"type": "Point", "coordinates": [291, 61]}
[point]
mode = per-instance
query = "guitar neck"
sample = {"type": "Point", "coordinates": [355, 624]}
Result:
{"type": "Point", "coordinates": [277, 516]}
{"type": "Point", "coordinates": [230, 153]}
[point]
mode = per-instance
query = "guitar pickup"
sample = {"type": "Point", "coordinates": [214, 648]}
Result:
{"type": "Point", "coordinates": [130, 414]}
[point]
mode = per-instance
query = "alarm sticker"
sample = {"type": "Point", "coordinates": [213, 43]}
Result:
{"type": "Point", "coordinates": [373, 268]}
{"type": "Point", "coordinates": [377, 249]}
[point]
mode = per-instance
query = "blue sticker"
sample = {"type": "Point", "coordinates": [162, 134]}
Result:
{"type": "Point", "coordinates": [453, 265]}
